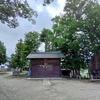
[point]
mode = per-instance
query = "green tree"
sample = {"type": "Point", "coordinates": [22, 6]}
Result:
{"type": "Point", "coordinates": [31, 43]}
{"type": "Point", "coordinates": [19, 53]}
{"type": "Point", "coordinates": [10, 10]}
{"type": "Point", "coordinates": [66, 29]}
{"type": "Point", "coordinates": [17, 59]}
{"type": "Point", "coordinates": [47, 37]}
{"type": "Point", "coordinates": [59, 29]}
{"type": "Point", "coordinates": [13, 62]}
{"type": "Point", "coordinates": [24, 48]}
{"type": "Point", "coordinates": [86, 15]}
{"type": "Point", "coordinates": [2, 53]}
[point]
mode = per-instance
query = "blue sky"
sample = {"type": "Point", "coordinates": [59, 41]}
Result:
{"type": "Point", "coordinates": [10, 36]}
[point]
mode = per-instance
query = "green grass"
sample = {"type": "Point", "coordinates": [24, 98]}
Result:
{"type": "Point", "coordinates": [3, 73]}
{"type": "Point", "coordinates": [84, 75]}
{"type": "Point", "coordinates": [23, 73]}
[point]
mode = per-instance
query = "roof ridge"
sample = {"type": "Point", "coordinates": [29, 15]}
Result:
{"type": "Point", "coordinates": [44, 52]}
{"type": "Point", "coordinates": [45, 55]}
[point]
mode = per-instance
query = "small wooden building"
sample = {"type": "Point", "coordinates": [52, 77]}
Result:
{"type": "Point", "coordinates": [45, 64]}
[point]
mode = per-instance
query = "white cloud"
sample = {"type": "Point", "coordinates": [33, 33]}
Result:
{"type": "Point", "coordinates": [36, 4]}
{"type": "Point", "coordinates": [61, 3]}
{"type": "Point", "coordinates": [41, 48]}
{"type": "Point", "coordinates": [39, 8]}
{"type": "Point", "coordinates": [56, 10]}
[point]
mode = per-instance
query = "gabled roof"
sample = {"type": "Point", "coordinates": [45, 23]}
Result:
{"type": "Point", "coordinates": [45, 55]}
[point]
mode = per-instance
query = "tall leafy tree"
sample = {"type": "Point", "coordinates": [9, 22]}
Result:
{"type": "Point", "coordinates": [2, 53]}
{"type": "Point", "coordinates": [67, 29]}
{"type": "Point", "coordinates": [19, 53]}
{"type": "Point", "coordinates": [31, 43]}
{"type": "Point", "coordinates": [13, 62]}
{"type": "Point", "coordinates": [47, 37]}
{"type": "Point", "coordinates": [86, 14]}
{"type": "Point", "coordinates": [17, 59]}
{"type": "Point", "coordinates": [24, 48]}
{"type": "Point", "coordinates": [58, 30]}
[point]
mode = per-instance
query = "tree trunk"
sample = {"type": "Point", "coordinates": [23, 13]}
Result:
{"type": "Point", "coordinates": [73, 73]}
{"type": "Point", "coordinates": [94, 66]}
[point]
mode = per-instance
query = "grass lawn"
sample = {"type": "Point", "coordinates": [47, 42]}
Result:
{"type": "Point", "coordinates": [84, 75]}
{"type": "Point", "coordinates": [2, 73]}
{"type": "Point", "coordinates": [23, 72]}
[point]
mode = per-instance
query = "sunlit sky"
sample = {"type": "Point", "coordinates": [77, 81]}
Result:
{"type": "Point", "coordinates": [11, 36]}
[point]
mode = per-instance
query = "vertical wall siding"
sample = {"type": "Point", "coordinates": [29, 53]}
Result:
{"type": "Point", "coordinates": [31, 67]}
{"type": "Point", "coordinates": [52, 70]}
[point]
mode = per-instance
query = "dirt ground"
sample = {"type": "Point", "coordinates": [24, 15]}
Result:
{"type": "Point", "coordinates": [62, 89]}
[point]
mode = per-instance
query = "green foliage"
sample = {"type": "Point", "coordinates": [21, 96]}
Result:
{"type": "Point", "coordinates": [31, 42]}
{"type": "Point", "coordinates": [46, 2]}
{"type": "Point", "coordinates": [75, 33]}
{"type": "Point", "coordinates": [86, 13]}
{"type": "Point", "coordinates": [47, 37]}
{"type": "Point", "coordinates": [73, 59]}
{"type": "Point", "coordinates": [13, 62]}
{"type": "Point", "coordinates": [81, 30]}
{"type": "Point", "coordinates": [11, 9]}
{"type": "Point", "coordinates": [58, 31]}
{"type": "Point", "coordinates": [24, 48]}
{"type": "Point", "coordinates": [2, 53]}
{"type": "Point", "coordinates": [17, 59]}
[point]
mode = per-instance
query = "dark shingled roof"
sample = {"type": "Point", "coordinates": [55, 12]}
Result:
{"type": "Point", "coordinates": [45, 55]}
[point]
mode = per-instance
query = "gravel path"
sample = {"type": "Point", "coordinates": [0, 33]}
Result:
{"type": "Point", "coordinates": [25, 89]}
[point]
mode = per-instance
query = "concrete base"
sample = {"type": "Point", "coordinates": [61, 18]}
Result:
{"type": "Point", "coordinates": [57, 78]}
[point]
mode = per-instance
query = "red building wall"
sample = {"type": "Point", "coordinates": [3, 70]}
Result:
{"type": "Point", "coordinates": [45, 68]}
